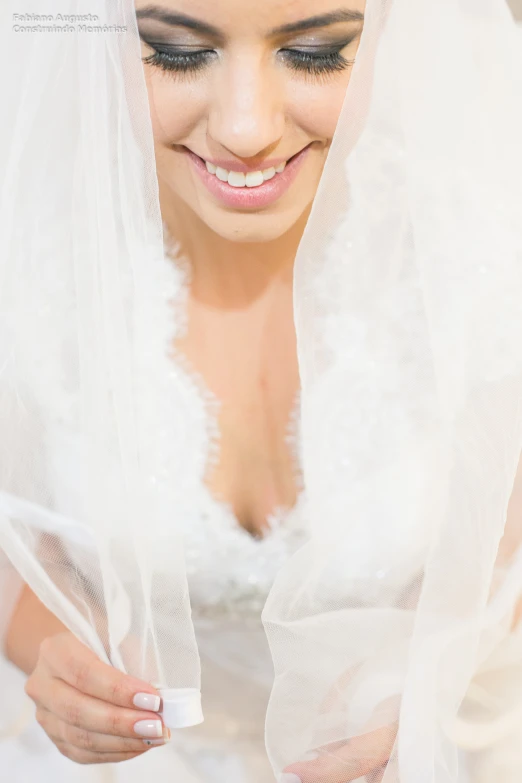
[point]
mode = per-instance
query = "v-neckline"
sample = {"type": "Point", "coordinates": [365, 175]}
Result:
{"type": "Point", "coordinates": [211, 405]}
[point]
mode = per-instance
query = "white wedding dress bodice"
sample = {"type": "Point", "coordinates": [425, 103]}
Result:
{"type": "Point", "coordinates": [230, 574]}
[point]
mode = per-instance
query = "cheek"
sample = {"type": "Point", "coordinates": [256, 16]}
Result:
{"type": "Point", "coordinates": [175, 109]}
{"type": "Point", "coordinates": [316, 109]}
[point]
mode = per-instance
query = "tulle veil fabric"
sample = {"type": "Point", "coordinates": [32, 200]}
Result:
{"type": "Point", "coordinates": [398, 620]}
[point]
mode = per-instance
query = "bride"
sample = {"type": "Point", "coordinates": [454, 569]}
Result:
{"type": "Point", "coordinates": [245, 103]}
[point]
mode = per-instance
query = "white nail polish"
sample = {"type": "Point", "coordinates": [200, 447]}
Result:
{"type": "Point", "coordinates": [289, 777]}
{"type": "Point", "coordinates": [149, 728]}
{"type": "Point", "coordinates": [147, 701]}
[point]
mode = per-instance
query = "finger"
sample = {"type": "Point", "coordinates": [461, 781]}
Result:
{"type": "Point", "coordinates": [86, 757]}
{"type": "Point", "coordinates": [387, 774]}
{"type": "Point", "coordinates": [376, 776]}
{"type": "Point", "coordinates": [356, 758]}
{"type": "Point", "coordinates": [82, 669]}
{"type": "Point", "coordinates": [64, 733]}
{"type": "Point", "coordinates": [90, 714]}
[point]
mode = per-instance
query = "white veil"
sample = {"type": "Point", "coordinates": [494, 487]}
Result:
{"type": "Point", "coordinates": [393, 630]}
{"type": "Point", "coordinates": [407, 287]}
{"type": "Point", "coordinates": [84, 344]}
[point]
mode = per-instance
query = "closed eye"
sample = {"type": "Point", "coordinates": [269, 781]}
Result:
{"type": "Point", "coordinates": [317, 61]}
{"type": "Point", "coordinates": [179, 60]}
{"type": "Point", "coordinates": [311, 61]}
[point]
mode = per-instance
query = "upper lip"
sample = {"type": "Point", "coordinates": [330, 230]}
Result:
{"type": "Point", "coordinates": [236, 165]}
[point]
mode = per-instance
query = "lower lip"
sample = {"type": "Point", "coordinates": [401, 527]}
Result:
{"type": "Point", "coordinates": [250, 198]}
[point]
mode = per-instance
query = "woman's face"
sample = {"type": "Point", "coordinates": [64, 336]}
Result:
{"type": "Point", "coordinates": [245, 96]}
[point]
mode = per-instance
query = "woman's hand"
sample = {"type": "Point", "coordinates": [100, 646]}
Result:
{"type": "Point", "coordinates": [93, 713]}
{"type": "Point", "coordinates": [367, 755]}
{"type": "Point", "coordinates": [363, 756]}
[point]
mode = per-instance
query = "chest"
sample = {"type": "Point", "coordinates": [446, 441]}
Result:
{"type": "Point", "coordinates": [246, 357]}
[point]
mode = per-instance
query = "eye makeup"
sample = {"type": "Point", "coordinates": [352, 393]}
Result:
{"type": "Point", "coordinates": [310, 60]}
{"type": "Point", "coordinates": [183, 46]}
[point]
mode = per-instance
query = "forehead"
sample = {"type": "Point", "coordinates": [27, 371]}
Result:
{"type": "Point", "coordinates": [235, 17]}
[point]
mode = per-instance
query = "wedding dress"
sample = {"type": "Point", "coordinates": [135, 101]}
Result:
{"type": "Point", "coordinates": [230, 574]}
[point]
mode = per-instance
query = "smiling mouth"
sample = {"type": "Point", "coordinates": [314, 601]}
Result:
{"type": "Point", "coordinates": [250, 179]}
{"type": "Point", "coordinates": [248, 190]}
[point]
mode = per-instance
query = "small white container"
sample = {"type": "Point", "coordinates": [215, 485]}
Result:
{"type": "Point", "coordinates": [181, 707]}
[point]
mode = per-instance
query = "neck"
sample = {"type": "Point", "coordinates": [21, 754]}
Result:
{"type": "Point", "coordinates": [225, 273]}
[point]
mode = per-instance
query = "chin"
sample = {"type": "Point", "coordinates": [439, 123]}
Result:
{"type": "Point", "coordinates": [252, 227]}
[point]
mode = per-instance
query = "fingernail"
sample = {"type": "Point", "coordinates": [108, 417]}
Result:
{"type": "Point", "coordinates": [289, 777]}
{"type": "Point", "coordinates": [147, 701]}
{"type": "Point", "coordinates": [149, 728]}
{"type": "Point", "coordinates": [166, 738]}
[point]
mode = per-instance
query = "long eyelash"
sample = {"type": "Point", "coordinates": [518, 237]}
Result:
{"type": "Point", "coordinates": [316, 64]}
{"type": "Point", "coordinates": [182, 62]}
{"type": "Point", "coordinates": [189, 62]}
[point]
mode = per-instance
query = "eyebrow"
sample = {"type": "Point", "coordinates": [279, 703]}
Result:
{"type": "Point", "coordinates": [312, 23]}
{"type": "Point", "coordinates": [177, 20]}
{"type": "Point", "coordinates": [324, 20]}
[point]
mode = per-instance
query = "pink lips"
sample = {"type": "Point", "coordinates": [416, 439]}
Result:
{"type": "Point", "coordinates": [250, 198]}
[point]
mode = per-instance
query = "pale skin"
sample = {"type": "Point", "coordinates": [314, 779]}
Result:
{"type": "Point", "coordinates": [252, 100]}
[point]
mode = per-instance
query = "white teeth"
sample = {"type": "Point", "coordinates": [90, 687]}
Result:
{"type": "Point", "coordinates": [254, 179]}
{"type": "Point", "coordinates": [237, 179]}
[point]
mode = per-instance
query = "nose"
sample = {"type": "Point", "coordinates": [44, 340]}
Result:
{"type": "Point", "coordinates": [246, 115]}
